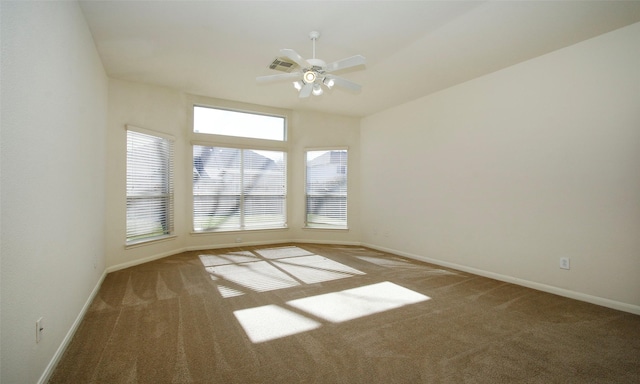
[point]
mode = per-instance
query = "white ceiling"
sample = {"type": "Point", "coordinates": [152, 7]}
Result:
{"type": "Point", "coordinates": [413, 48]}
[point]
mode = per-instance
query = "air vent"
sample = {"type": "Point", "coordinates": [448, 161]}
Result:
{"type": "Point", "coordinates": [282, 64]}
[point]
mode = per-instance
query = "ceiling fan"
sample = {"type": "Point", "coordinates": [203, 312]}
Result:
{"type": "Point", "coordinates": [311, 74]}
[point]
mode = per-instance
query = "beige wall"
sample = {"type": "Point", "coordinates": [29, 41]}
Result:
{"type": "Point", "coordinates": [316, 130]}
{"type": "Point", "coordinates": [502, 175]}
{"type": "Point", "coordinates": [157, 109]}
{"type": "Point", "coordinates": [169, 111]}
{"type": "Point", "coordinates": [54, 113]}
{"type": "Point", "coordinates": [505, 174]}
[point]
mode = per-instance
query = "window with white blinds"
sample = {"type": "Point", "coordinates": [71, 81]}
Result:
{"type": "Point", "coordinates": [149, 186]}
{"type": "Point", "coordinates": [238, 189]}
{"type": "Point", "coordinates": [326, 188]}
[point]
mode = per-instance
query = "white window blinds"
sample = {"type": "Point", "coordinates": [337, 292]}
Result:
{"type": "Point", "coordinates": [238, 189]}
{"type": "Point", "coordinates": [149, 186]}
{"type": "Point", "coordinates": [326, 188]}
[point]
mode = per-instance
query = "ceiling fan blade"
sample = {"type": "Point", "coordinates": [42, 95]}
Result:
{"type": "Point", "coordinates": [306, 90]}
{"type": "Point", "coordinates": [295, 56]}
{"type": "Point", "coordinates": [346, 63]}
{"type": "Point", "coordinates": [278, 77]}
{"type": "Point", "coordinates": [344, 83]}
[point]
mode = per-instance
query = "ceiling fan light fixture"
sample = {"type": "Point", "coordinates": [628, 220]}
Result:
{"type": "Point", "coordinates": [309, 77]}
{"type": "Point", "coordinates": [329, 82]}
{"type": "Point", "coordinates": [317, 90]}
{"type": "Point", "coordinates": [297, 85]}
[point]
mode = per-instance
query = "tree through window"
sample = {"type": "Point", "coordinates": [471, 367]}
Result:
{"type": "Point", "coordinates": [237, 189]}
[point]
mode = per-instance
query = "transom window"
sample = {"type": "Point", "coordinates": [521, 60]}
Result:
{"type": "Point", "coordinates": [239, 124]}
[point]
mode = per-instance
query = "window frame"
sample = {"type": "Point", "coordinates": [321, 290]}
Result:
{"type": "Point", "coordinates": [325, 226]}
{"type": "Point", "coordinates": [242, 143]}
{"type": "Point", "coordinates": [169, 193]}
{"type": "Point", "coordinates": [242, 196]}
{"type": "Point", "coordinates": [238, 139]}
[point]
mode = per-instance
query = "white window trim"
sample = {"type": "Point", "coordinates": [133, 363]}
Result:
{"type": "Point", "coordinates": [284, 117]}
{"type": "Point", "coordinates": [212, 140]}
{"type": "Point", "coordinates": [150, 240]}
{"type": "Point", "coordinates": [129, 127]}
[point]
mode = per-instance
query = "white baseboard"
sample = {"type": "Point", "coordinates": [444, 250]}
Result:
{"type": "Point", "coordinates": [620, 306]}
{"type": "Point", "coordinates": [237, 245]}
{"type": "Point", "coordinates": [259, 243]}
{"type": "Point", "coordinates": [46, 375]}
{"type": "Point", "coordinates": [133, 263]}
{"type": "Point", "coordinates": [327, 242]}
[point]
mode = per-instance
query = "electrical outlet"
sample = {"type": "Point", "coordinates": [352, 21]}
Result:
{"type": "Point", "coordinates": [39, 329]}
{"type": "Point", "coordinates": [565, 263]}
{"type": "Point", "coordinates": [238, 239]}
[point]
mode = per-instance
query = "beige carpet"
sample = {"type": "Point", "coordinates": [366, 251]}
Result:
{"type": "Point", "coordinates": [335, 314]}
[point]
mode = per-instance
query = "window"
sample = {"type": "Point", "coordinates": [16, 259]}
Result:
{"type": "Point", "coordinates": [326, 188]}
{"type": "Point", "coordinates": [239, 124]}
{"type": "Point", "coordinates": [149, 186]}
{"type": "Point", "coordinates": [238, 189]}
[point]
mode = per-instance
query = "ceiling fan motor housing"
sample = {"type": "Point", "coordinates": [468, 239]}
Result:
{"type": "Point", "coordinates": [315, 72]}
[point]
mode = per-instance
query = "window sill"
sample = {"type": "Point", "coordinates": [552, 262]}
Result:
{"type": "Point", "coordinates": [236, 231]}
{"type": "Point", "coordinates": [325, 228]}
{"type": "Point", "coordinates": [153, 240]}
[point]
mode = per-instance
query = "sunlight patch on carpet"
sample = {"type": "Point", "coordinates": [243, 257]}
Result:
{"type": "Point", "coordinates": [316, 269]}
{"type": "Point", "coordinates": [271, 322]}
{"type": "Point", "coordinates": [387, 262]}
{"type": "Point", "coordinates": [259, 276]}
{"type": "Point", "coordinates": [237, 273]}
{"type": "Point", "coordinates": [358, 302]}
{"type": "Point", "coordinates": [229, 292]}
{"type": "Point", "coordinates": [282, 252]}
{"type": "Point", "coordinates": [227, 258]}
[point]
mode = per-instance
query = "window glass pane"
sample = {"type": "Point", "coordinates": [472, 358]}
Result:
{"type": "Point", "coordinates": [235, 189]}
{"type": "Point", "coordinates": [264, 188]}
{"type": "Point", "coordinates": [149, 186]}
{"type": "Point", "coordinates": [239, 124]}
{"type": "Point", "coordinates": [326, 188]}
{"type": "Point", "coordinates": [216, 188]}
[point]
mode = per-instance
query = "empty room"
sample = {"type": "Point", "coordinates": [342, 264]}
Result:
{"type": "Point", "coordinates": [320, 192]}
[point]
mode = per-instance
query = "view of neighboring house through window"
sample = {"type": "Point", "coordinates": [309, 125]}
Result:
{"type": "Point", "coordinates": [149, 186]}
{"type": "Point", "coordinates": [326, 188]}
{"type": "Point", "coordinates": [239, 188]}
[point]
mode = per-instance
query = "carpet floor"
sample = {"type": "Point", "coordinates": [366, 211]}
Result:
{"type": "Point", "coordinates": [308, 313]}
